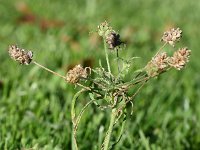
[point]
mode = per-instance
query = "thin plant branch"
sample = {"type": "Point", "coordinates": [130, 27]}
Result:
{"type": "Point", "coordinates": [81, 114]}
{"type": "Point", "coordinates": [138, 90]}
{"type": "Point", "coordinates": [106, 53]}
{"type": "Point", "coordinates": [49, 70]}
{"type": "Point", "coordinates": [84, 87]}
{"type": "Point", "coordinates": [73, 117]}
{"type": "Point", "coordinates": [161, 48]}
{"type": "Point", "coordinates": [118, 67]}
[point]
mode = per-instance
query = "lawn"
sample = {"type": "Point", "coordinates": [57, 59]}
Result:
{"type": "Point", "coordinates": [35, 105]}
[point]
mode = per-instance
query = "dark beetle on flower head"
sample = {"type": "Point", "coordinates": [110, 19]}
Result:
{"type": "Point", "coordinates": [113, 40]}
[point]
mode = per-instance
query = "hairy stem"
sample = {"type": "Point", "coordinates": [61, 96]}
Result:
{"type": "Point", "coordinates": [106, 53]}
{"type": "Point", "coordinates": [84, 87]}
{"type": "Point", "coordinates": [45, 68]}
{"type": "Point", "coordinates": [138, 90]}
{"type": "Point", "coordinates": [73, 117]}
{"type": "Point", "coordinates": [139, 81]}
{"type": "Point", "coordinates": [110, 129]}
{"type": "Point", "coordinates": [133, 82]}
{"type": "Point", "coordinates": [81, 114]}
{"type": "Point", "coordinates": [160, 48]}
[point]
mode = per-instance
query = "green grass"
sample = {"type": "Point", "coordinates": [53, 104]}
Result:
{"type": "Point", "coordinates": [35, 106]}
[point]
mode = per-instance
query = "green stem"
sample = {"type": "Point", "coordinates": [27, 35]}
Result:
{"type": "Point", "coordinates": [118, 67]}
{"type": "Point", "coordinates": [120, 134]}
{"type": "Point", "coordinates": [81, 114]}
{"type": "Point", "coordinates": [160, 49]}
{"type": "Point", "coordinates": [106, 53]}
{"type": "Point", "coordinates": [133, 82]}
{"type": "Point", "coordinates": [73, 117]}
{"type": "Point", "coordinates": [49, 70]}
{"type": "Point", "coordinates": [74, 143]}
{"type": "Point", "coordinates": [109, 132]}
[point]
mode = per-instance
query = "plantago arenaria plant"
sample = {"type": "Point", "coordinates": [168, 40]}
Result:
{"type": "Point", "coordinates": [107, 90]}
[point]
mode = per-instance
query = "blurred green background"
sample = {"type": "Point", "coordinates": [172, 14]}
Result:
{"type": "Point", "coordinates": [35, 105]}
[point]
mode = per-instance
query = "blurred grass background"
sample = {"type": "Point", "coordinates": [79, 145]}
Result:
{"type": "Point", "coordinates": [35, 106]}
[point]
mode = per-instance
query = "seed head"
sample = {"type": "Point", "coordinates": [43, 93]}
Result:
{"type": "Point", "coordinates": [104, 29]}
{"type": "Point", "coordinates": [158, 64]}
{"type": "Point", "coordinates": [160, 60]}
{"type": "Point", "coordinates": [20, 55]}
{"type": "Point", "coordinates": [180, 58]}
{"type": "Point", "coordinates": [75, 74]}
{"type": "Point", "coordinates": [172, 36]}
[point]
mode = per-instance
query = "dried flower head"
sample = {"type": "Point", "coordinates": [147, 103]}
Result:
{"type": "Point", "coordinates": [180, 58]}
{"type": "Point", "coordinates": [160, 60]}
{"type": "Point", "coordinates": [75, 74]}
{"type": "Point", "coordinates": [20, 55]}
{"type": "Point", "coordinates": [157, 65]}
{"type": "Point", "coordinates": [104, 29]}
{"type": "Point", "coordinates": [113, 40]}
{"type": "Point", "coordinates": [172, 36]}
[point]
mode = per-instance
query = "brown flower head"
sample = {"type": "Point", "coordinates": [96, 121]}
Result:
{"type": "Point", "coordinates": [180, 58]}
{"type": "Point", "coordinates": [160, 60]}
{"type": "Point", "coordinates": [172, 36]}
{"type": "Point", "coordinates": [75, 74]}
{"type": "Point", "coordinates": [113, 40]}
{"type": "Point", "coordinates": [157, 65]}
{"type": "Point", "coordinates": [20, 55]}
